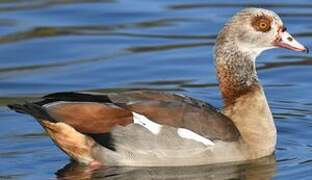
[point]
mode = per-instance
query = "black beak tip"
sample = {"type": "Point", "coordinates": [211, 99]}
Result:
{"type": "Point", "coordinates": [306, 50]}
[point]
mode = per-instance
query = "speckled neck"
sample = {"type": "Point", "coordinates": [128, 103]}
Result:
{"type": "Point", "coordinates": [235, 69]}
{"type": "Point", "coordinates": [244, 99]}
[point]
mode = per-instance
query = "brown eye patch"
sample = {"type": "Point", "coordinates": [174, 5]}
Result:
{"type": "Point", "coordinates": [261, 23]}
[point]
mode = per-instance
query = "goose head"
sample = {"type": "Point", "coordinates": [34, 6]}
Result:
{"type": "Point", "coordinates": [254, 30]}
{"type": "Point", "coordinates": [242, 39]}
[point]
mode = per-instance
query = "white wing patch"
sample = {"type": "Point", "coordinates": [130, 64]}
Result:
{"type": "Point", "coordinates": [148, 124]}
{"type": "Point", "coordinates": [155, 128]}
{"type": "Point", "coordinates": [188, 134]}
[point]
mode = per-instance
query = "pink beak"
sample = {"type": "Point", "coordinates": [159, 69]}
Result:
{"type": "Point", "coordinates": [285, 40]}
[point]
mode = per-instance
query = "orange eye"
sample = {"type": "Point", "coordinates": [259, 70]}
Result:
{"type": "Point", "coordinates": [261, 23]}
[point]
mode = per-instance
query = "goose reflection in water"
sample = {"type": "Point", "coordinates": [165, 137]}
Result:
{"type": "Point", "coordinates": [264, 168]}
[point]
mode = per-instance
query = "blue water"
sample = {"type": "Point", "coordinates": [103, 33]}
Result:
{"type": "Point", "coordinates": [108, 45]}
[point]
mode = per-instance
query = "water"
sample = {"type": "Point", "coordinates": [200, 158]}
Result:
{"type": "Point", "coordinates": [109, 45]}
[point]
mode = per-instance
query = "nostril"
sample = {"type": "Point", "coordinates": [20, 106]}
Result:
{"type": "Point", "coordinates": [290, 39]}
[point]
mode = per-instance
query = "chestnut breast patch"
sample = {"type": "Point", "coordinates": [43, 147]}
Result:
{"type": "Point", "coordinates": [261, 23]}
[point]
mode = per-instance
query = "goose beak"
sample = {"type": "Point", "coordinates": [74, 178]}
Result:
{"type": "Point", "coordinates": [285, 40]}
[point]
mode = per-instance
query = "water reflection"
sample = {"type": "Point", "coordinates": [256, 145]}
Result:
{"type": "Point", "coordinates": [263, 169]}
{"type": "Point", "coordinates": [166, 47]}
{"type": "Point", "coordinates": [16, 5]}
{"type": "Point", "coordinates": [238, 4]}
{"type": "Point", "coordinates": [104, 30]}
{"type": "Point", "coordinates": [304, 61]}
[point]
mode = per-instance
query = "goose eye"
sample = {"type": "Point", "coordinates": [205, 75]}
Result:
{"type": "Point", "coordinates": [261, 23]}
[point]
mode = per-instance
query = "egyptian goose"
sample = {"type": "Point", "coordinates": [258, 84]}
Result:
{"type": "Point", "coordinates": [148, 128]}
